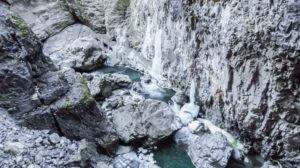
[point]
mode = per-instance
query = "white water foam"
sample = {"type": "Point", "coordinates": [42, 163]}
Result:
{"type": "Point", "coordinates": [157, 69]}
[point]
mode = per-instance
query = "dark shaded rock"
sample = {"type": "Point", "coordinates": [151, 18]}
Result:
{"type": "Point", "coordinates": [90, 155]}
{"type": "Point", "coordinates": [21, 60]}
{"type": "Point", "coordinates": [40, 118]}
{"type": "Point", "coordinates": [118, 80]}
{"type": "Point", "coordinates": [51, 86]}
{"type": "Point", "coordinates": [180, 98]}
{"type": "Point", "coordinates": [210, 151]}
{"type": "Point", "coordinates": [79, 117]}
{"type": "Point", "coordinates": [269, 164]}
{"type": "Point", "coordinates": [102, 86]}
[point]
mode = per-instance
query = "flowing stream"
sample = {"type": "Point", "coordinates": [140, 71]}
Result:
{"type": "Point", "coordinates": [169, 154]}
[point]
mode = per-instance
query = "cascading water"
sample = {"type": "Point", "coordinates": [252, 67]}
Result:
{"type": "Point", "coordinates": [190, 110]}
{"type": "Point", "coordinates": [157, 69]}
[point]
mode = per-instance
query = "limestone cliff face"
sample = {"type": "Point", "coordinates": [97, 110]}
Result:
{"type": "Point", "coordinates": [244, 56]}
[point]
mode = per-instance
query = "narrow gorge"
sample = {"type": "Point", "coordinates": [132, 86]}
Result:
{"type": "Point", "coordinates": [150, 83]}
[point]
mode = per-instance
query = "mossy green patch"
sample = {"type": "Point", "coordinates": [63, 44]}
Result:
{"type": "Point", "coordinates": [134, 105]}
{"type": "Point", "coordinates": [235, 143]}
{"type": "Point", "coordinates": [68, 107]}
{"type": "Point", "coordinates": [22, 26]}
{"type": "Point", "coordinates": [101, 82]}
{"type": "Point", "coordinates": [82, 81]}
{"type": "Point", "coordinates": [87, 94]}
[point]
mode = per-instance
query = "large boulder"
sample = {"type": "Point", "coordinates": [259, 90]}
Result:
{"type": "Point", "coordinates": [46, 18]}
{"type": "Point", "coordinates": [148, 120]}
{"type": "Point", "coordinates": [21, 60]}
{"type": "Point", "coordinates": [102, 85]}
{"type": "Point", "coordinates": [210, 151]}
{"type": "Point", "coordinates": [51, 86]}
{"type": "Point", "coordinates": [76, 47]}
{"type": "Point", "coordinates": [92, 13]}
{"type": "Point", "coordinates": [78, 116]}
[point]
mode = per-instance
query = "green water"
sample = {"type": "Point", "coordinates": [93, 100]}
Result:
{"type": "Point", "coordinates": [135, 76]}
{"type": "Point", "coordinates": [154, 93]}
{"type": "Point", "coordinates": [164, 95]}
{"type": "Point", "coordinates": [171, 155]}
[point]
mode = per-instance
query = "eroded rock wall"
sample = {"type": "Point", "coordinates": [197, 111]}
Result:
{"type": "Point", "coordinates": [244, 56]}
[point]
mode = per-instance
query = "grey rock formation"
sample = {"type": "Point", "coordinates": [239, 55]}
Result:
{"type": "Point", "coordinates": [127, 160]}
{"type": "Point", "coordinates": [148, 120]}
{"type": "Point", "coordinates": [92, 13]}
{"type": "Point", "coordinates": [118, 80]}
{"type": "Point", "coordinates": [21, 147]}
{"type": "Point", "coordinates": [45, 18]}
{"type": "Point", "coordinates": [269, 164]}
{"type": "Point", "coordinates": [102, 85]}
{"type": "Point", "coordinates": [56, 100]}
{"type": "Point", "coordinates": [51, 86]}
{"type": "Point", "coordinates": [79, 117]}
{"type": "Point", "coordinates": [21, 61]}
{"type": "Point", "coordinates": [180, 98]}
{"type": "Point", "coordinates": [210, 151]}
{"type": "Point", "coordinates": [243, 55]}
{"type": "Point", "coordinates": [76, 47]}
{"type": "Point", "coordinates": [16, 148]}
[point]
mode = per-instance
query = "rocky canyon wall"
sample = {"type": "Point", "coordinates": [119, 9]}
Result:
{"type": "Point", "coordinates": [244, 56]}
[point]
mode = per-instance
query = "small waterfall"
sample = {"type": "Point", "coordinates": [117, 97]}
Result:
{"type": "Point", "coordinates": [190, 110]}
{"type": "Point", "coordinates": [192, 92]}
{"type": "Point", "coordinates": [157, 69]}
{"type": "Point", "coordinates": [146, 48]}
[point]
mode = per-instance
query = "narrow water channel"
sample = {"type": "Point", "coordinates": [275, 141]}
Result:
{"type": "Point", "coordinates": [169, 154]}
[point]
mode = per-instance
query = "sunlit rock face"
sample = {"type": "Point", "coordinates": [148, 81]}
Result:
{"type": "Point", "coordinates": [44, 17]}
{"type": "Point", "coordinates": [243, 55]}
